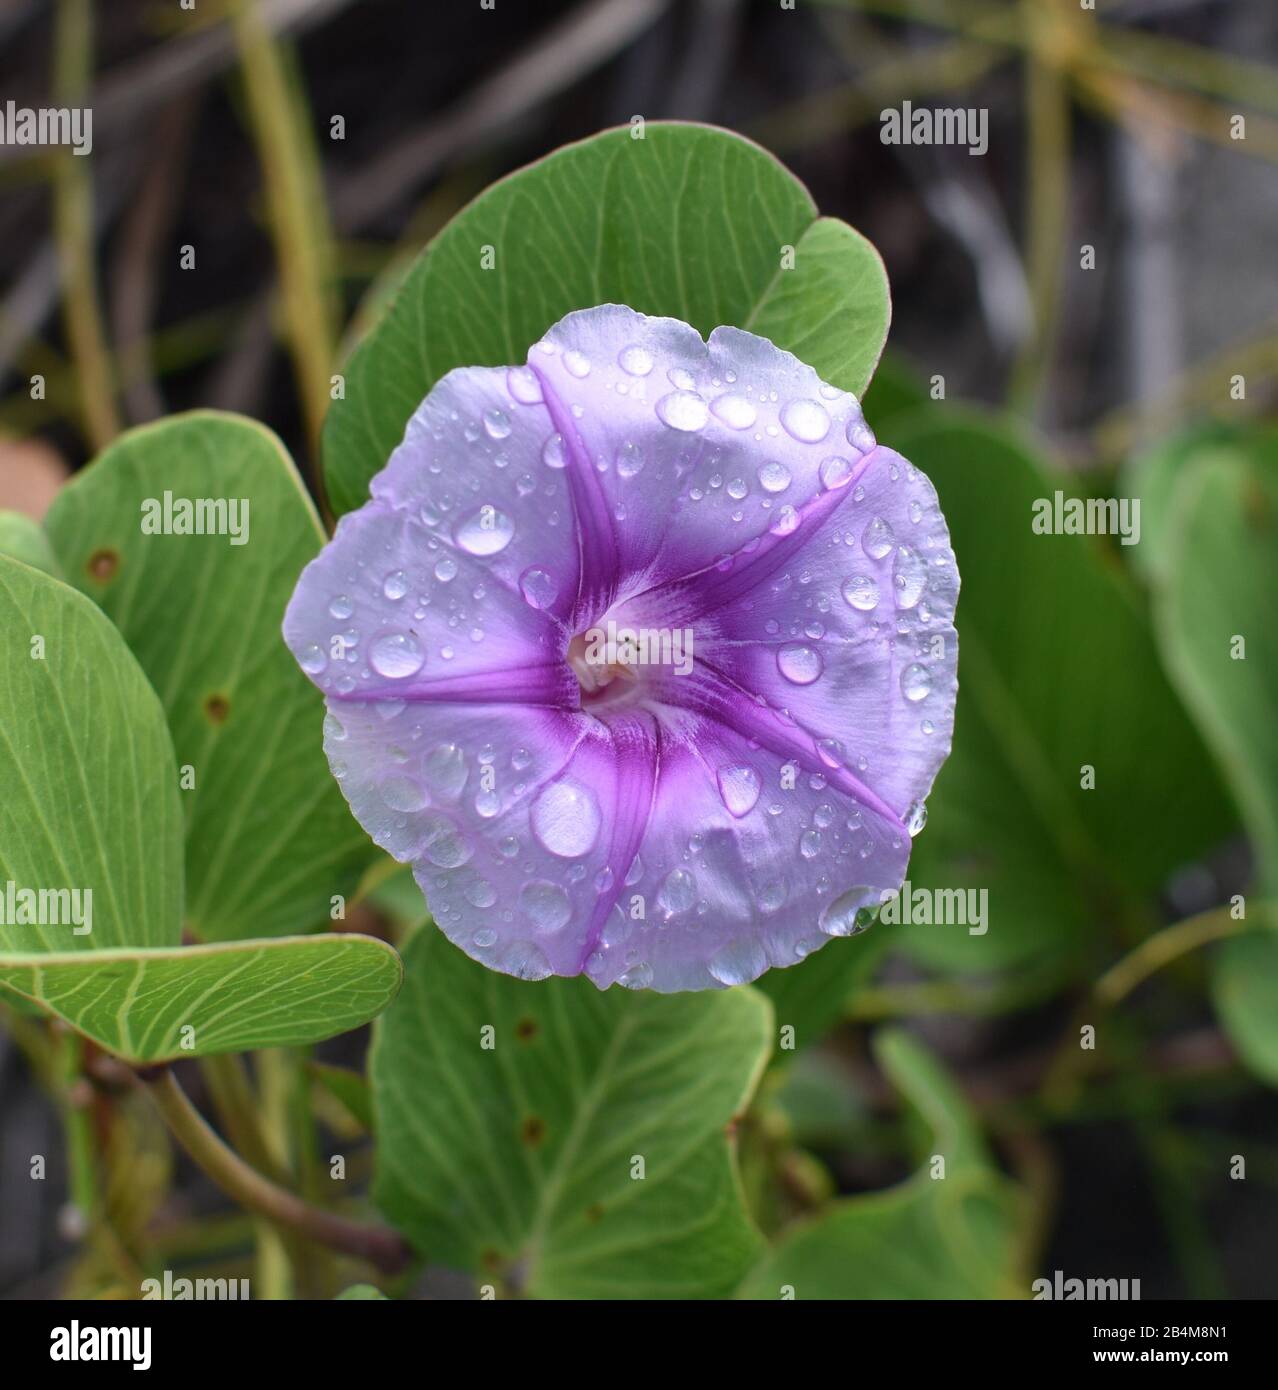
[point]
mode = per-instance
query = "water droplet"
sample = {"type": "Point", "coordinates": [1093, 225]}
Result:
{"type": "Point", "coordinates": [578, 363]}
{"type": "Point", "coordinates": [860, 435]}
{"type": "Point", "coordinates": [683, 410]}
{"type": "Point", "coordinates": [635, 359]}
{"type": "Point", "coordinates": [807, 421]}
{"type": "Point", "coordinates": [848, 914]}
{"type": "Point", "coordinates": [523, 385]}
{"type": "Point", "coordinates": [629, 460]}
{"type": "Point", "coordinates": [553, 454]}
{"type": "Point", "coordinates": [861, 592]}
{"type": "Point", "coordinates": [396, 655]}
{"type": "Point", "coordinates": [442, 842]}
{"type": "Point", "coordinates": [546, 906]}
{"type": "Point", "coordinates": [637, 976]}
{"type": "Point", "coordinates": [525, 961]}
{"type": "Point", "coordinates": [312, 660]}
{"type": "Point", "coordinates": [484, 532]}
{"type": "Point", "coordinates": [677, 893]}
{"type": "Point", "coordinates": [735, 411]}
{"type": "Point", "coordinates": [481, 893]}
{"type": "Point", "coordinates": [915, 817]}
{"type": "Point", "coordinates": [786, 521]}
{"type": "Point", "coordinates": [484, 938]}
{"type": "Point", "coordinates": [497, 424]}
{"type": "Point", "coordinates": [395, 586]}
{"type": "Point", "coordinates": [739, 787]}
{"type": "Point", "coordinates": [445, 769]}
{"type": "Point", "coordinates": [774, 477]}
{"type": "Point", "coordinates": [341, 607]}
{"type": "Point", "coordinates": [799, 663]}
{"type": "Point", "coordinates": [403, 794]}
{"type": "Point", "coordinates": [565, 818]}
{"type": "Point", "coordinates": [836, 472]}
{"type": "Point", "coordinates": [738, 488]}
{"type": "Point", "coordinates": [916, 682]}
{"type": "Point", "coordinates": [810, 844]}
{"type": "Point", "coordinates": [909, 576]}
{"type": "Point", "coordinates": [681, 379]}
{"type": "Point", "coordinates": [538, 587]}
{"type": "Point", "coordinates": [738, 962]}
{"type": "Point", "coordinates": [487, 804]}
{"type": "Point", "coordinates": [771, 896]}
{"type": "Point", "coordinates": [445, 569]}
{"type": "Point", "coordinates": [928, 727]}
{"type": "Point", "coordinates": [877, 538]}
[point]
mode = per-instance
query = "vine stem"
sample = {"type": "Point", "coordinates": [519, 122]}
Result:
{"type": "Point", "coordinates": [1163, 947]}
{"type": "Point", "coordinates": [379, 1245]}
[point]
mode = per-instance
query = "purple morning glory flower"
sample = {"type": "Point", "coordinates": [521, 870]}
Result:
{"type": "Point", "coordinates": [641, 654]}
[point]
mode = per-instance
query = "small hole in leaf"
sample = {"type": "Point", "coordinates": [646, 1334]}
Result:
{"type": "Point", "coordinates": [217, 708]}
{"type": "Point", "coordinates": [525, 1029]}
{"type": "Point", "coordinates": [103, 565]}
{"type": "Point", "coordinates": [594, 1212]}
{"type": "Point", "coordinates": [534, 1131]}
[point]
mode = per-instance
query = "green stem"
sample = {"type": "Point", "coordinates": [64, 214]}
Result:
{"type": "Point", "coordinates": [379, 1245]}
{"type": "Point", "coordinates": [73, 217]}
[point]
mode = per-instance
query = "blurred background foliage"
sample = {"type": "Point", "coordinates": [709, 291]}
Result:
{"type": "Point", "coordinates": [308, 149]}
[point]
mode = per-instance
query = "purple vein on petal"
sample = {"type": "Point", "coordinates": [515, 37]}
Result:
{"type": "Point", "coordinates": [723, 699]}
{"type": "Point", "coordinates": [551, 684]}
{"type": "Point", "coordinates": [636, 747]}
{"type": "Point", "coordinates": [596, 533]}
{"type": "Point", "coordinates": [757, 560]}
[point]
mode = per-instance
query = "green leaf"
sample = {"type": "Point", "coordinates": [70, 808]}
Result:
{"type": "Point", "coordinates": [812, 996]}
{"type": "Point", "coordinates": [1244, 986]}
{"type": "Point", "coordinates": [931, 1237]}
{"type": "Point", "coordinates": [1219, 585]}
{"type": "Point", "coordinates": [269, 837]}
{"type": "Point", "coordinates": [512, 1155]}
{"type": "Point", "coordinates": [157, 1005]}
{"type": "Point", "coordinates": [1057, 671]}
{"type": "Point", "coordinates": [362, 1293]}
{"type": "Point", "coordinates": [90, 802]}
{"type": "Point", "coordinates": [350, 1088]}
{"type": "Point", "coordinates": [690, 222]}
{"type": "Point", "coordinates": [25, 540]}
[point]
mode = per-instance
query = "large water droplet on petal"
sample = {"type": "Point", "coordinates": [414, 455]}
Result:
{"type": "Point", "coordinates": [341, 607]}
{"type": "Point", "coordinates": [909, 577]}
{"type": "Point", "coordinates": [525, 961]}
{"type": "Point", "coordinates": [546, 906]}
{"type": "Point", "coordinates": [848, 914]}
{"type": "Point", "coordinates": [683, 410]}
{"type": "Point", "coordinates": [735, 411]}
{"type": "Point", "coordinates": [629, 460]}
{"type": "Point", "coordinates": [396, 655]}
{"type": "Point", "coordinates": [807, 421]}
{"type": "Point", "coordinates": [523, 385]}
{"type": "Point", "coordinates": [739, 962]}
{"type": "Point", "coordinates": [552, 452]}
{"type": "Point", "coordinates": [739, 787]}
{"type": "Point", "coordinates": [836, 472]}
{"type": "Point", "coordinates": [677, 893]}
{"type": "Point", "coordinates": [578, 363]}
{"type": "Point", "coordinates": [395, 586]}
{"type": "Point", "coordinates": [861, 592]}
{"type": "Point", "coordinates": [877, 538]}
{"type": "Point", "coordinates": [799, 663]}
{"type": "Point", "coordinates": [565, 819]}
{"type": "Point", "coordinates": [484, 532]}
{"type": "Point", "coordinates": [774, 477]}
{"type": "Point", "coordinates": [916, 682]}
{"type": "Point", "coordinates": [312, 659]}
{"type": "Point", "coordinates": [637, 976]}
{"type": "Point", "coordinates": [635, 359]}
{"type": "Point", "coordinates": [497, 424]}
{"type": "Point", "coordinates": [915, 817]}
{"type": "Point", "coordinates": [445, 769]}
{"type": "Point", "coordinates": [443, 842]}
{"type": "Point", "coordinates": [538, 587]}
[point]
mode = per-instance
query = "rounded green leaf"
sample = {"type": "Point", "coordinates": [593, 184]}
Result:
{"type": "Point", "coordinates": [25, 540]}
{"type": "Point", "coordinates": [562, 1142]}
{"type": "Point", "coordinates": [158, 1005]}
{"type": "Point", "coordinates": [269, 838]}
{"type": "Point", "coordinates": [1058, 674]}
{"type": "Point", "coordinates": [948, 1232]}
{"type": "Point", "coordinates": [89, 811]}
{"type": "Point", "coordinates": [689, 221]}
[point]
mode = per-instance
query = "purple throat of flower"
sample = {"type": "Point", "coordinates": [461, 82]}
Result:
{"type": "Point", "coordinates": [641, 654]}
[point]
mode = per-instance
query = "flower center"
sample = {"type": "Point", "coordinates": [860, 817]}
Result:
{"type": "Point", "coordinates": [609, 659]}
